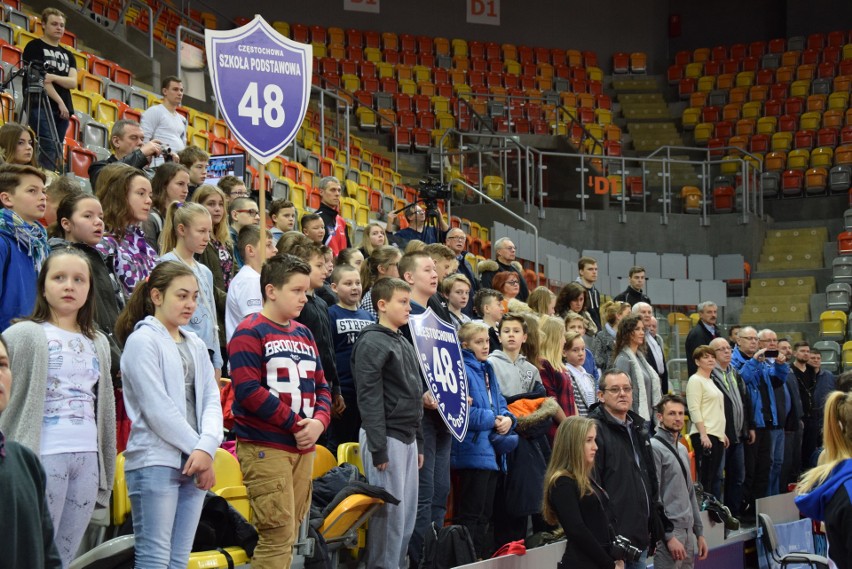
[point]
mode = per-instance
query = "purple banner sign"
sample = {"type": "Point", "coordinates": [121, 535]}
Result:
{"type": "Point", "coordinates": [262, 82]}
{"type": "Point", "coordinates": [441, 360]}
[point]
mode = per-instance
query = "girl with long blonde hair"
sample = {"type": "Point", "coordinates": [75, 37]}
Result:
{"type": "Point", "coordinates": [574, 499]}
{"type": "Point", "coordinates": [554, 375]}
{"type": "Point", "coordinates": [824, 491]}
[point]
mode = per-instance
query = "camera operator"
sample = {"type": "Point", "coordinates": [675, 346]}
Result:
{"type": "Point", "coordinates": [418, 215]}
{"type": "Point", "coordinates": [677, 492]}
{"type": "Point", "coordinates": [128, 146]}
{"type": "Point", "coordinates": [60, 76]}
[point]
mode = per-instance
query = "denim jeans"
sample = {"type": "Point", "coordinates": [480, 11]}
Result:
{"type": "Point", "coordinates": [776, 437]}
{"type": "Point", "coordinates": [733, 465]}
{"type": "Point", "coordinates": [50, 149]}
{"type": "Point", "coordinates": [434, 488]}
{"type": "Point", "coordinates": [166, 507]}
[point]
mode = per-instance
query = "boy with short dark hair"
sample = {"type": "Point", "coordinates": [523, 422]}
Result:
{"type": "Point", "coordinates": [23, 241]}
{"type": "Point", "coordinates": [195, 159]}
{"type": "Point", "coordinates": [281, 406]}
{"type": "Point", "coordinates": [244, 294]}
{"type": "Point", "coordinates": [418, 270]}
{"type": "Point", "coordinates": [488, 303]}
{"type": "Point", "coordinates": [315, 316]}
{"type": "Point", "coordinates": [314, 227]}
{"type": "Point", "coordinates": [283, 214]}
{"type": "Point", "coordinates": [389, 391]}
{"type": "Point", "coordinates": [347, 321]}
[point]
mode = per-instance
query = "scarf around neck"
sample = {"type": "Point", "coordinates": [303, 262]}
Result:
{"type": "Point", "coordinates": [30, 237]}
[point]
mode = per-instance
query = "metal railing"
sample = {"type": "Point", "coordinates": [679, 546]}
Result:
{"type": "Point", "coordinates": [323, 93]}
{"type": "Point", "coordinates": [179, 33]}
{"type": "Point", "coordinates": [380, 117]}
{"type": "Point", "coordinates": [523, 155]}
{"type": "Point", "coordinates": [139, 4]}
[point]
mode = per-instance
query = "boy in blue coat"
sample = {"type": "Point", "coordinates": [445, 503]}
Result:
{"type": "Point", "coordinates": [23, 241]}
{"type": "Point", "coordinates": [474, 459]}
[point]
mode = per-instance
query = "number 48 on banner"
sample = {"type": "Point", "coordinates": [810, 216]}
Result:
{"type": "Point", "coordinates": [272, 113]}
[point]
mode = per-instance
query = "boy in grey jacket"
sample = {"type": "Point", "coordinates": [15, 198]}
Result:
{"type": "Point", "coordinates": [389, 392]}
{"type": "Point", "coordinates": [677, 491]}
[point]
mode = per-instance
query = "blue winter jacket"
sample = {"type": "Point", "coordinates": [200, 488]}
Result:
{"type": "Point", "coordinates": [754, 373]}
{"type": "Point", "coordinates": [17, 281]}
{"type": "Point", "coordinates": [475, 451]}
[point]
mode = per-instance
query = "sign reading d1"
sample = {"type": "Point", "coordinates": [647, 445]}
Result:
{"type": "Point", "coordinates": [443, 367]}
{"type": "Point", "coordinates": [262, 82]}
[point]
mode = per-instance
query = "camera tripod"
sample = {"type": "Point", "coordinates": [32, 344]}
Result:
{"type": "Point", "coordinates": [34, 91]}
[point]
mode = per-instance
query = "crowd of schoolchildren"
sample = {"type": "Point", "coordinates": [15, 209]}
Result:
{"type": "Point", "coordinates": [127, 307]}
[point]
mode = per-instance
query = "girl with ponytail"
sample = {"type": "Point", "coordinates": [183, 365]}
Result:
{"type": "Point", "coordinates": [186, 234]}
{"type": "Point", "coordinates": [172, 399]}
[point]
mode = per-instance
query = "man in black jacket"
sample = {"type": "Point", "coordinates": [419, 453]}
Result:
{"type": "Point", "coordinates": [128, 146]}
{"type": "Point", "coordinates": [739, 425]}
{"type": "Point", "coordinates": [624, 464]}
{"type": "Point", "coordinates": [702, 333]}
{"type": "Point", "coordinates": [635, 290]}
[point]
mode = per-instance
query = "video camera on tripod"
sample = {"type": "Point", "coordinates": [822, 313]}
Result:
{"type": "Point", "coordinates": [34, 73]}
{"type": "Point", "coordinates": [430, 191]}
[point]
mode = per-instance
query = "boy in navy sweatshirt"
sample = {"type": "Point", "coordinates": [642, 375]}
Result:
{"type": "Point", "coordinates": [347, 321]}
{"type": "Point", "coordinates": [281, 406]}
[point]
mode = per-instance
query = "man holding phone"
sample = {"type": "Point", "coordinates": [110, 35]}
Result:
{"type": "Point", "coordinates": [762, 373]}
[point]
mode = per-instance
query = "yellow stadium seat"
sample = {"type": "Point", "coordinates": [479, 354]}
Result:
{"type": "Point", "coordinates": [832, 325]}
{"type": "Point", "coordinates": [350, 453]}
{"type": "Point", "coordinates": [323, 461]}
{"type": "Point", "coordinates": [847, 355]}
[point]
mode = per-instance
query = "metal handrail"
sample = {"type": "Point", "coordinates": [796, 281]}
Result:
{"type": "Point", "coordinates": [576, 120]}
{"type": "Point", "coordinates": [323, 93]}
{"type": "Point", "coordinates": [179, 36]}
{"type": "Point", "coordinates": [474, 114]}
{"type": "Point", "coordinates": [147, 8]}
{"type": "Point", "coordinates": [521, 148]}
{"type": "Point", "coordinates": [505, 210]}
{"type": "Point", "coordinates": [381, 117]}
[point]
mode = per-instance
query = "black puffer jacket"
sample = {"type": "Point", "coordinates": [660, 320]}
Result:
{"type": "Point", "coordinates": [632, 487]}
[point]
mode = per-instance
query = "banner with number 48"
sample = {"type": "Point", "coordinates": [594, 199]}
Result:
{"type": "Point", "coordinates": [262, 82]}
{"type": "Point", "coordinates": [441, 361]}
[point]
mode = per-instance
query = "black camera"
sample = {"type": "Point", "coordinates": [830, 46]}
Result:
{"type": "Point", "coordinates": [35, 72]}
{"type": "Point", "coordinates": [624, 550]}
{"type": "Point", "coordinates": [167, 154]}
{"type": "Point", "coordinates": [432, 190]}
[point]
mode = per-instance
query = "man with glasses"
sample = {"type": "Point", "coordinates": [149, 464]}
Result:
{"type": "Point", "coordinates": [739, 425]}
{"type": "Point", "coordinates": [504, 250]}
{"type": "Point", "coordinates": [457, 241]}
{"type": "Point", "coordinates": [623, 445]}
{"type": "Point", "coordinates": [762, 375]}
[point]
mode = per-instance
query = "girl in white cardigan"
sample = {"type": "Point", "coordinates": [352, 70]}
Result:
{"type": "Point", "coordinates": [66, 412]}
{"type": "Point", "coordinates": [173, 401]}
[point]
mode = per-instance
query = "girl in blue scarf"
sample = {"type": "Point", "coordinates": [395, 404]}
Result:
{"type": "Point", "coordinates": [826, 490]}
